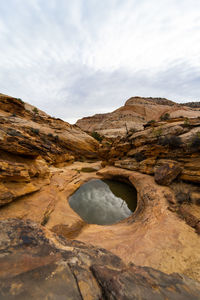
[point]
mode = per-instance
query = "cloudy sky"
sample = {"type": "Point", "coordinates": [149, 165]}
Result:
{"type": "Point", "coordinates": [74, 58]}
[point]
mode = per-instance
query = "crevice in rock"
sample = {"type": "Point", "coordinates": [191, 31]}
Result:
{"type": "Point", "coordinates": [76, 280]}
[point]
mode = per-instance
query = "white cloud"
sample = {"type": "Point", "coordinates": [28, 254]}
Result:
{"type": "Point", "coordinates": [76, 58]}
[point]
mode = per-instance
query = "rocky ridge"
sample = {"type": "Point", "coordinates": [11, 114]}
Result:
{"type": "Point", "coordinates": [134, 115]}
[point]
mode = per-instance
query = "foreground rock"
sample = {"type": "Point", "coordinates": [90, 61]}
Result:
{"type": "Point", "coordinates": [35, 264]}
{"type": "Point", "coordinates": [134, 114]}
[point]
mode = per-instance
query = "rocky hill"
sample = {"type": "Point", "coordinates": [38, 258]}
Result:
{"type": "Point", "coordinates": [134, 114]}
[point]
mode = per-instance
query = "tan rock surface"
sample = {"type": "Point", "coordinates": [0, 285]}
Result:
{"type": "Point", "coordinates": [37, 175]}
{"type": "Point", "coordinates": [157, 237]}
{"type": "Point", "coordinates": [134, 114]}
{"type": "Point", "coordinates": [30, 140]}
{"type": "Point", "coordinates": [27, 131]}
{"type": "Point", "coordinates": [153, 236]}
{"type": "Point", "coordinates": [160, 143]}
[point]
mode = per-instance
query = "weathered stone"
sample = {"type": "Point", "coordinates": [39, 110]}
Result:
{"type": "Point", "coordinates": [30, 132]}
{"type": "Point", "coordinates": [13, 171]}
{"type": "Point", "coordinates": [36, 264]}
{"type": "Point", "coordinates": [164, 141]}
{"type": "Point", "coordinates": [20, 179]}
{"type": "Point", "coordinates": [10, 191]}
{"type": "Point", "coordinates": [195, 197]}
{"type": "Point", "coordinates": [190, 219]}
{"type": "Point", "coordinates": [129, 284]}
{"type": "Point", "coordinates": [170, 198]}
{"type": "Point", "coordinates": [134, 114]}
{"type": "Point", "coordinates": [198, 228]}
{"type": "Point", "coordinates": [166, 173]}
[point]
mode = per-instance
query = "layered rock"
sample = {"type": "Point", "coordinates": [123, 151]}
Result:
{"type": "Point", "coordinates": [30, 140]}
{"type": "Point", "coordinates": [36, 264]}
{"type": "Point", "coordinates": [29, 132]}
{"type": "Point", "coordinates": [134, 114]}
{"type": "Point", "coordinates": [175, 142]}
{"type": "Point", "coordinates": [19, 179]}
{"type": "Point", "coordinates": [37, 170]}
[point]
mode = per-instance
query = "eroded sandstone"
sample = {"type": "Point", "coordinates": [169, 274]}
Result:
{"type": "Point", "coordinates": [35, 264]}
{"type": "Point", "coordinates": [31, 140]}
{"type": "Point", "coordinates": [40, 167]}
{"type": "Point", "coordinates": [134, 115]}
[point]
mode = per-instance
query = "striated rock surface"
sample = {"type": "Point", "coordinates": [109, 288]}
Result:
{"type": "Point", "coordinates": [30, 140]}
{"type": "Point", "coordinates": [173, 142]}
{"type": "Point", "coordinates": [36, 264]}
{"type": "Point", "coordinates": [29, 132]}
{"type": "Point", "coordinates": [134, 114]}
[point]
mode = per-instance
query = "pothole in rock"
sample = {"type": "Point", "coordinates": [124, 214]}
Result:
{"type": "Point", "coordinates": [104, 202]}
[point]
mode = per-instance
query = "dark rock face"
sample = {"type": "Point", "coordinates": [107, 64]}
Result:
{"type": "Point", "coordinates": [166, 173]}
{"type": "Point", "coordinates": [36, 264]}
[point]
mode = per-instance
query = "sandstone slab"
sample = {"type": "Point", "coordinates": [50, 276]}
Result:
{"type": "Point", "coordinates": [35, 264]}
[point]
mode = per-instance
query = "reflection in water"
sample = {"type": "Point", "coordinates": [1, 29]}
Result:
{"type": "Point", "coordinates": [104, 202]}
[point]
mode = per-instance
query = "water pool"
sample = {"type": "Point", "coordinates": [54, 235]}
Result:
{"type": "Point", "coordinates": [104, 202]}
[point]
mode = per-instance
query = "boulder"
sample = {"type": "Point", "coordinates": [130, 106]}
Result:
{"type": "Point", "coordinates": [166, 173]}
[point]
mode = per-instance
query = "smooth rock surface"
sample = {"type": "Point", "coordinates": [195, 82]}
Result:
{"type": "Point", "coordinates": [153, 236]}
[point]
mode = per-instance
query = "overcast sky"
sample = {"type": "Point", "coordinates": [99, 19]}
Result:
{"type": "Point", "coordinates": [74, 58]}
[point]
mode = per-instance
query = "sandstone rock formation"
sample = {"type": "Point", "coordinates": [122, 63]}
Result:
{"type": "Point", "coordinates": [43, 160]}
{"type": "Point", "coordinates": [134, 114]}
{"type": "Point", "coordinates": [176, 141]}
{"type": "Point", "coordinates": [27, 131]}
{"type": "Point", "coordinates": [36, 264]}
{"type": "Point", "coordinates": [29, 141]}
{"type": "Point", "coordinates": [153, 236]}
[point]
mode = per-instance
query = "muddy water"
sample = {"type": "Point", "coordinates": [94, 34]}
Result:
{"type": "Point", "coordinates": [104, 202]}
